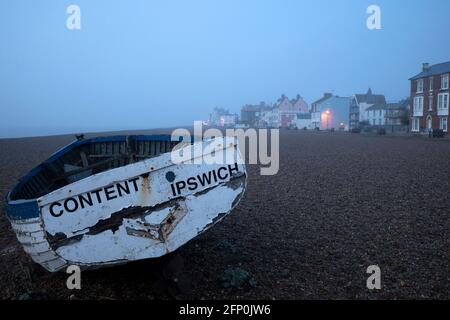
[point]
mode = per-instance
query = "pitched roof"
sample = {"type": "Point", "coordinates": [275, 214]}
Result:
{"type": "Point", "coordinates": [255, 108]}
{"type": "Point", "coordinates": [297, 99]}
{"type": "Point", "coordinates": [325, 97]}
{"type": "Point", "coordinates": [389, 106]}
{"type": "Point", "coordinates": [403, 104]}
{"type": "Point", "coordinates": [433, 70]}
{"type": "Point", "coordinates": [371, 98]}
{"type": "Point", "coordinates": [381, 106]}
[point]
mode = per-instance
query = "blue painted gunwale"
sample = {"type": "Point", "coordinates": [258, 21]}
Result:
{"type": "Point", "coordinates": [29, 209]}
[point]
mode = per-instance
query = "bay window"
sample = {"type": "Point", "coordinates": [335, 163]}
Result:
{"type": "Point", "coordinates": [443, 101]}
{"type": "Point", "coordinates": [418, 106]}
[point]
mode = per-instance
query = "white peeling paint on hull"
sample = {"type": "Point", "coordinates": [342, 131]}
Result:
{"type": "Point", "coordinates": [142, 210]}
{"type": "Point", "coordinates": [126, 245]}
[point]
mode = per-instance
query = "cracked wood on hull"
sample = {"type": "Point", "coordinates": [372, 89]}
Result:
{"type": "Point", "coordinates": [141, 228]}
{"type": "Point", "coordinates": [156, 230]}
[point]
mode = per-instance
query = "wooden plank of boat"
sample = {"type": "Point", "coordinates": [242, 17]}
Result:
{"type": "Point", "coordinates": [144, 209]}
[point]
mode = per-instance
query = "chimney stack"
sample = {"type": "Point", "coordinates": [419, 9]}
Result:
{"type": "Point", "coordinates": [425, 66]}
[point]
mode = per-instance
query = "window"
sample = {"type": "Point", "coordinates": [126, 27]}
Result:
{"type": "Point", "coordinates": [431, 84]}
{"type": "Point", "coordinates": [373, 121]}
{"type": "Point", "coordinates": [429, 122]}
{"type": "Point", "coordinates": [443, 101]}
{"type": "Point", "coordinates": [420, 86]}
{"type": "Point", "coordinates": [379, 122]}
{"type": "Point", "coordinates": [430, 103]}
{"type": "Point", "coordinates": [444, 82]}
{"type": "Point", "coordinates": [415, 125]}
{"type": "Point", "coordinates": [418, 104]}
{"type": "Point", "coordinates": [443, 124]}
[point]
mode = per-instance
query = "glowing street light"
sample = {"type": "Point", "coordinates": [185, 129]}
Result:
{"type": "Point", "coordinates": [328, 115]}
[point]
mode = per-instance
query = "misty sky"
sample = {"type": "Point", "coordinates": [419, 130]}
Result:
{"type": "Point", "coordinates": [148, 64]}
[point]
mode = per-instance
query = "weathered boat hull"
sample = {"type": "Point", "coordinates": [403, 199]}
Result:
{"type": "Point", "coordinates": [140, 210]}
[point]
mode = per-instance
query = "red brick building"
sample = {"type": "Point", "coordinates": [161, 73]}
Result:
{"type": "Point", "coordinates": [430, 98]}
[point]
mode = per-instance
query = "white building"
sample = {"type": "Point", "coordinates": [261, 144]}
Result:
{"type": "Point", "coordinates": [316, 120]}
{"type": "Point", "coordinates": [222, 118]}
{"type": "Point", "coordinates": [376, 115]}
{"type": "Point", "coordinates": [228, 120]}
{"type": "Point", "coordinates": [359, 103]}
{"type": "Point", "coordinates": [331, 112]}
{"type": "Point", "coordinates": [304, 120]}
{"type": "Point", "coordinates": [270, 118]}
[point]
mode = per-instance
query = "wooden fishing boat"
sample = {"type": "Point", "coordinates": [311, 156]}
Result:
{"type": "Point", "coordinates": [109, 200]}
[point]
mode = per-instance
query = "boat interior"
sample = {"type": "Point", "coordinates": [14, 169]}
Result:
{"type": "Point", "coordinates": [86, 157]}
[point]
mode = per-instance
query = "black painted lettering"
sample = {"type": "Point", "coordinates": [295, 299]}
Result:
{"type": "Point", "coordinates": [173, 189]}
{"type": "Point", "coordinates": [85, 199]}
{"type": "Point", "coordinates": [221, 177]}
{"type": "Point", "coordinates": [180, 186]}
{"type": "Point", "coordinates": [134, 183]}
{"type": "Point", "coordinates": [109, 191]}
{"type": "Point", "coordinates": [74, 206]}
{"type": "Point", "coordinates": [53, 213]}
{"type": "Point", "coordinates": [97, 193]}
{"type": "Point", "coordinates": [121, 188]}
{"type": "Point", "coordinates": [232, 169]}
{"type": "Point", "coordinates": [192, 182]}
{"type": "Point", "coordinates": [205, 179]}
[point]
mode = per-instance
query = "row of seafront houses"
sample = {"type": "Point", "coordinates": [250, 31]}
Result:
{"type": "Point", "coordinates": [329, 112]}
{"type": "Point", "coordinates": [429, 99]}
